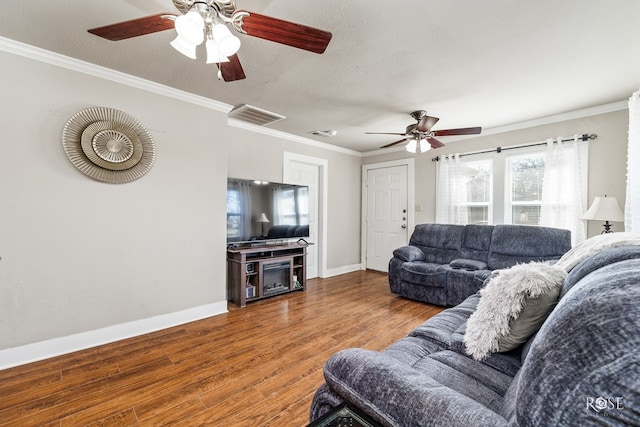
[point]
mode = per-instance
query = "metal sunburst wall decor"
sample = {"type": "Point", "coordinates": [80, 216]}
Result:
{"type": "Point", "coordinates": [108, 145]}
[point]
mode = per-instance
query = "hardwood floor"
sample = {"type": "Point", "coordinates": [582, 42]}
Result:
{"type": "Point", "coordinates": [255, 366]}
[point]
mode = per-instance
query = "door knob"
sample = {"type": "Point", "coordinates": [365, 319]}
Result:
{"type": "Point", "coordinates": [404, 225]}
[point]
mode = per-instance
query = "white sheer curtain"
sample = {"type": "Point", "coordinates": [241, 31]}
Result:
{"type": "Point", "coordinates": [632, 204]}
{"type": "Point", "coordinates": [563, 191]}
{"type": "Point", "coordinates": [451, 192]}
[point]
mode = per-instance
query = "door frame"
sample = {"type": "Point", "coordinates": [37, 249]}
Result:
{"type": "Point", "coordinates": [410, 184]}
{"type": "Point", "coordinates": [323, 185]}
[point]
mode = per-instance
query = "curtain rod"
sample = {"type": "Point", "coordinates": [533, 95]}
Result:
{"type": "Point", "coordinates": [584, 137]}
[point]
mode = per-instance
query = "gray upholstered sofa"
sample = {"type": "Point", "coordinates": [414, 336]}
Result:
{"type": "Point", "coordinates": [445, 263]}
{"type": "Point", "coordinates": [582, 367]}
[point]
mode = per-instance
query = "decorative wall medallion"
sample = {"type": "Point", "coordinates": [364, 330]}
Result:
{"type": "Point", "coordinates": [108, 145]}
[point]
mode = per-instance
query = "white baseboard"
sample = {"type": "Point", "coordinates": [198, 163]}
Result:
{"type": "Point", "coordinates": [55, 347]}
{"type": "Point", "coordinates": [330, 272]}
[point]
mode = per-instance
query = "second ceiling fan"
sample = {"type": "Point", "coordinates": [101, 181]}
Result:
{"type": "Point", "coordinates": [206, 21]}
{"type": "Point", "coordinates": [421, 136]}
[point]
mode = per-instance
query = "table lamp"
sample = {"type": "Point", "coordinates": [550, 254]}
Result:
{"type": "Point", "coordinates": [604, 209]}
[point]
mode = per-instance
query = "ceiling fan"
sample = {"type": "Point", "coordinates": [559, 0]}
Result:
{"type": "Point", "coordinates": [207, 20]}
{"type": "Point", "coordinates": [420, 133]}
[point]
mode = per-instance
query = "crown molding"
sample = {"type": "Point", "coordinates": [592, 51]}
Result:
{"type": "Point", "coordinates": [53, 58]}
{"type": "Point", "coordinates": [562, 117]}
{"type": "Point", "coordinates": [290, 137]}
{"type": "Point", "coordinates": [59, 60]}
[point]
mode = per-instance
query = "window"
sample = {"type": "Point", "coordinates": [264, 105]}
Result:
{"type": "Point", "coordinates": [479, 190]}
{"type": "Point", "coordinates": [526, 175]}
{"type": "Point", "coordinates": [540, 184]}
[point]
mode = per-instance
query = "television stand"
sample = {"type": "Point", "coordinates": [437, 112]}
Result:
{"type": "Point", "coordinates": [257, 272]}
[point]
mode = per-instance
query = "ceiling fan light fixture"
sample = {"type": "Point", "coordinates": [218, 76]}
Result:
{"type": "Point", "coordinates": [412, 146]}
{"type": "Point", "coordinates": [228, 44]}
{"type": "Point", "coordinates": [213, 53]}
{"type": "Point", "coordinates": [191, 27]}
{"type": "Point", "coordinates": [424, 146]}
{"type": "Point", "coordinates": [184, 47]}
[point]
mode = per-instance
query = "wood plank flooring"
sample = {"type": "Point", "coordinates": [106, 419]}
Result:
{"type": "Point", "coordinates": [255, 366]}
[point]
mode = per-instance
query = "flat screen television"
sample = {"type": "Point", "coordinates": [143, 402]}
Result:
{"type": "Point", "coordinates": [260, 211]}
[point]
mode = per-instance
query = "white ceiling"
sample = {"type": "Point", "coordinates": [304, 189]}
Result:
{"type": "Point", "coordinates": [486, 63]}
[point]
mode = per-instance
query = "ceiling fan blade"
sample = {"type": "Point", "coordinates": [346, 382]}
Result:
{"type": "Point", "coordinates": [289, 33]}
{"type": "Point", "coordinates": [435, 143]}
{"type": "Point", "coordinates": [395, 143]}
{"type": "Point", "coordinates": [426, 123]}
{"type": "Point", "coordinates": [461, 131]}
{"type": "Point", "coordinates": [232, 70]}
{"type": "Point", "coordinates": [134, 27]}
{"type": "Point", "coordinates": [384, 133]}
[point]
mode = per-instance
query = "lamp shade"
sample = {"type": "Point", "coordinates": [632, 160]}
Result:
{"type": "Point", "coordinates": [213, 54]}
{"type": "Point", "coordinates": [184, 47]}
{"type": "Point", "coordinates": [412, 146]}
{"type": "Point", "coordinates": [191, 27]}
{"type": "Point", "coordinates": [604, 209]}
{"type": "Point", "coordinates": [424, 146]}
{"type": "Point", "coordinates": [228, 44]}
{"type": "Point", "coordinates": [262, 218]}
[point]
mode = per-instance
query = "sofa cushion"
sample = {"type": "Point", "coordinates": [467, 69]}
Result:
{"type": "Point", "coordinates": [508, 362]}
{"type": "Point", "coordinates": [476, 241]}
{"type": "Point", "coordinates": [597, 261]}
{"type": "Point", "coordinates": [512, 244]}
{"type": "Point", "coordinates": [423, 273]}
{"type": "Point", "coordinates": [396, 394]}
{"type": "Point", "coordinates": [439, 242]}
{"type": "Point", "coordinates": [409, 254]}
{"type": "Point", "coordinates": [496, 381]}
{"type": "Point", "coordinates": [440, 328]}
{"type": "Point", "coordinates": [512, 307]}
{"type": "Point", "coordinates": [468, 264]}
{"type": "Point", "coordinates": [411, 349]}
{"type": "Point", "coordinates": [587, 348]}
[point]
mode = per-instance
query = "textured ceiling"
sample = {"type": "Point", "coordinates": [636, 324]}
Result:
{"type": "Point", "coordinates": [486, 63]}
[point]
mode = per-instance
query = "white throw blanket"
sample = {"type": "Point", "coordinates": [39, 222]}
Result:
{"type": "Point", "coordinates": [592, 246]}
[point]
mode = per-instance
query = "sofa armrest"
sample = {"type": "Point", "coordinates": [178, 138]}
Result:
{"type": "Point", "coordinates": [468, 264]}
{"type": "Point", "coordinates": [409, 254]}
{"type": "Point", "coordinates": [395, 394]}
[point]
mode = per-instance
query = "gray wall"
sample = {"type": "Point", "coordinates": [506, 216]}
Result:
{"type": "Point", "coordinates": [262, 158]}
{"type": "Point", "coordinates": [78, 255]}
{"type": "Point", "coordinates": [607, 158]}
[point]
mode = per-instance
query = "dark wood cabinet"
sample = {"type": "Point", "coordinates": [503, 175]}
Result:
{"type": "Point", "coordinates": [260, 272]}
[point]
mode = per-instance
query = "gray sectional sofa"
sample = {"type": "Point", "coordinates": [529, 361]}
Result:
{"type": "Point", "coordinates": [581, 368]}
{"type": "Point", "coordinates": [445, 263]}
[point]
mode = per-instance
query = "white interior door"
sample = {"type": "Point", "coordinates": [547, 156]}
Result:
{"type": "Point", "coordinates": [302, 173]}
{"type": "Point", "coordinates": [387, 214]}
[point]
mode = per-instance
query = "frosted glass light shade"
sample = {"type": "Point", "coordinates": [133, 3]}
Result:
{"type": "Point", "coordinates": [184, 47]}
{"type": "Point", "coordinates": [412, 146]}
{"type": "Point", "coordinates": [424, 146]}
{"type": "Point", "coordinates": [190, 27]}
{"type": "Point", "coordinates": [213, 53]}
{"type": "Point", "coordinates": [228, 44]}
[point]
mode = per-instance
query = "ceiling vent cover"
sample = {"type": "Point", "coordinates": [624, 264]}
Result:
{"type": "Point", "coordinates": [254, 115]}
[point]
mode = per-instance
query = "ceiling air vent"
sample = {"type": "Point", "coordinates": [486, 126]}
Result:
{"type": "Point", "coordinates": [254, 115]}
